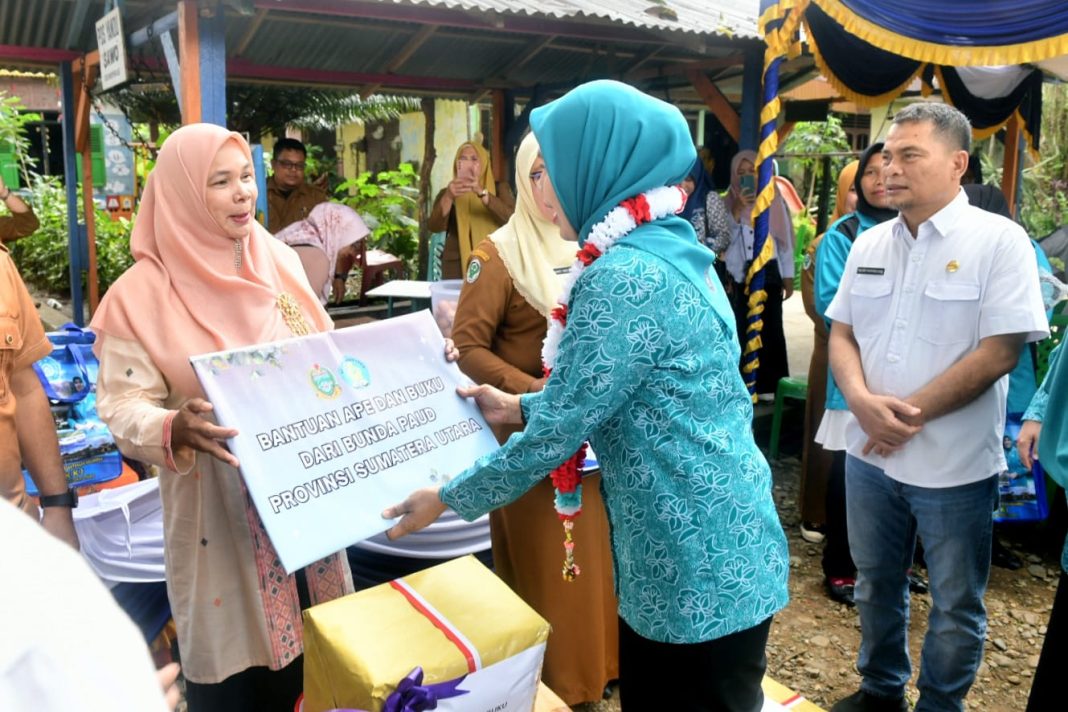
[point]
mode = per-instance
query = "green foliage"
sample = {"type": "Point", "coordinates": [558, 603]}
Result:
{"type": "Point", "coordinates": [804, 234]}
{"type": "Point", "coordinates": [43, 257]}
{"type": "Point", "coordinates": [258, 109]}
{"type": "Point", "coordinates": [1044, 206]}
{"type": "Point", "coordinates": [13, 122]}
{"type": "Point", "coordinates": [814, 139]}
{"type": "Point", "coordinates": [388, 203]}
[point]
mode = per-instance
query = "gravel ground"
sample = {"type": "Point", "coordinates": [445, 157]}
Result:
{"type": "Point", "coordinates": [814, 641]}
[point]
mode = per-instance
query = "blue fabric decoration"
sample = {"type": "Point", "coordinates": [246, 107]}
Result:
{"type": "Point", "coordinates": [965, 22]}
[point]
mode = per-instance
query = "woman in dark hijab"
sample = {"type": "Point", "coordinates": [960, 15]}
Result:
{"type": "Point", "coordinates": [707, 213]}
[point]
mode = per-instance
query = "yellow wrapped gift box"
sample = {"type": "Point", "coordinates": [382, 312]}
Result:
{"type": "Point", "coordinates": [453, 620]}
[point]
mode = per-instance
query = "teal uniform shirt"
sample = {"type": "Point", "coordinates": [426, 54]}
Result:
{"type": "Point", "coordinates": [1056, 441]}
{"type": "Point", "coordinates": [1022, 378]}
{"type": "Point", "coordinates": [831, 256]}
{"type": "Point", "coordinates": [649, 373]}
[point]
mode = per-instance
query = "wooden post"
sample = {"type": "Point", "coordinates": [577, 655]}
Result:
{"type": "Point", "coordinates": [70, 179]}
{"type": "Point", "coordinates": [189, 56]}
{"type": "Point", "coordinates": [497, 143]}
{"type": "Point", "coordinates": [785, 129]}
{"type": "Point", "coordinates": [1010, 173]}
{"type": "Point", "coordinates": [425, 196]}
{"type": "Point", "coordinates": [716, 103]}
{"type": "Point", "coordinates": [88, 68]}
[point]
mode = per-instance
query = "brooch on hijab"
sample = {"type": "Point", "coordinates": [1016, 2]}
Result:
{"type": "Point", "coordinates": [620, 222]}
{"type": "Point", "coordinates": [291, 314]}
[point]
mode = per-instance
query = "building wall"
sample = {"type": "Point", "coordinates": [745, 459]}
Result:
{"type": "Point", "coordinates": [451, 128]}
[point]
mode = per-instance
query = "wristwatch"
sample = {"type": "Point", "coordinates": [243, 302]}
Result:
{"type": "Point", "coordinates": [67, 499]}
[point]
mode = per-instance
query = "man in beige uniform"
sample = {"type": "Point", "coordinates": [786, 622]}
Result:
{"type": "Point", "coordinates": [289, 197]}
{"type": "Point", "coordinates": [27, 432]}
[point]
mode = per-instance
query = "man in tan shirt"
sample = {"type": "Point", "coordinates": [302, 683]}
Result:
{"type": "Point", "coordinates": [289, 197]}
{"type": "Point", "coordinates": [27, 432]}
{"type": "Point", "coordinates": [21, 222]}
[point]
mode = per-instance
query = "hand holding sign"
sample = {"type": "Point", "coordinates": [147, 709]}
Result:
{"type": "Point", "coordinates": [418, 511]}
{"type": "Point", "coordinates": [190, 431]}
{"type": "Point", "coordinates": [498, 407]}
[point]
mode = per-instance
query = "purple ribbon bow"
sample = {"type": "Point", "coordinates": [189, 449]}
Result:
{"type": "Point", "coordinates": [412, 695]}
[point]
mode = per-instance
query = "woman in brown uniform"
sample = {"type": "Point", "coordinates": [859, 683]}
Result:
{"type": "Point", "coordinates": [815, 461]}
{"type": "Point", "coordinates": [469, 208]}
{"type": "Point", "coordinates": [513, 280]}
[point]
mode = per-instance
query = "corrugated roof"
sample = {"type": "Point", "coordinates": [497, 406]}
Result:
{"type": "Point", "coordinates": [455, 47]}
{"type": "Point", "coordinates": [737, 18]}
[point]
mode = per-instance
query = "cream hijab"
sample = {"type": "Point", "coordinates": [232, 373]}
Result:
{"type": "Point", "coordinates": [184, 296]}
{"type": "Point", "coordinates": [529, 245]}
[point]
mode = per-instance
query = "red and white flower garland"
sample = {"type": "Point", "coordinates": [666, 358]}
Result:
{"type": "Point", "coordinates": [620, 221]}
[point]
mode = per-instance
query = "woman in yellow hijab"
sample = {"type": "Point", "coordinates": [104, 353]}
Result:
{"type": "Point", "coordinates": [469, 208]}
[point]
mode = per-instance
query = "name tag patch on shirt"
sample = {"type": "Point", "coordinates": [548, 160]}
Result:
{"type": "Point", "coordinates": [871, 270]}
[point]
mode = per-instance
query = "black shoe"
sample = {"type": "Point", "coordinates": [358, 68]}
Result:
{"type": "Point", "coordinates": [917, 583]}
{"type": "Point", "coordinates": [1002, 557]}
{"type": "Point", "coordinates": [862, 701]}
{"type": "Point", "coordinates": [841, 590]}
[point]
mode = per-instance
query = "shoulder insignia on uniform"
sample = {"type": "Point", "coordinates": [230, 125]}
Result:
{"type": "Point", "coordinates": [474, 269]}
{"type": "Point", "coordinates": [480, 254]}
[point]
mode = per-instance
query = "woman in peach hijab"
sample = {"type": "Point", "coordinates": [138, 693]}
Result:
{"type": "Point", "coordinates": [208, 277]}
{"type": "Point", "coordinates": [469, 208]}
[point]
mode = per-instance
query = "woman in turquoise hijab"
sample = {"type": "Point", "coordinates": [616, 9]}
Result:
{"type": "Point", "coordinates": [643, 366]}
{"type": "Point", "coordinates": [1052, 450]}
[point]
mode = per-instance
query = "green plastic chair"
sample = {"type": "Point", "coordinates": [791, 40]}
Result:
{"type": "Point", "coordinates": [433, 258]}
{"type": "Point", "coordinates": [796, 388]}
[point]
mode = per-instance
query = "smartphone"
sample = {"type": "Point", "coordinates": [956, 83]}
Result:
{"type": "Point", "coordinates": [748, 182]}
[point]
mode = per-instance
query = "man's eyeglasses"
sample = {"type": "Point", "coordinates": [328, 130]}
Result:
{"type": "Point", "coordinates": [290, 165]}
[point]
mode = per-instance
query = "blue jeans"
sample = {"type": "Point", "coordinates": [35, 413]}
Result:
{"type": "Point", "coordinates": [955, 524]}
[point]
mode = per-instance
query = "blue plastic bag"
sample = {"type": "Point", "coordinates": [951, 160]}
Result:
{"type": "Point", "coordinates": [68, 376]}
{"type": "Point", "coordinates": [1022, 493]}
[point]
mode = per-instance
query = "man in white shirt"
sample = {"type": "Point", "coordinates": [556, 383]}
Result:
{"type": "Point", "coordinates": [931, 314]}
{"type": "Point", "coordinates": [64, 643]}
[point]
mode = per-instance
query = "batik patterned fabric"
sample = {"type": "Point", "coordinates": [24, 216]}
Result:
{"type": "Point", "coordinates": [648, 372]}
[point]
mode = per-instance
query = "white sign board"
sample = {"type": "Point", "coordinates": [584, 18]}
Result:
{"type": "Point", "coordinates": [111, 42]}
{"type": "Point", "coordinates": [335, 427]}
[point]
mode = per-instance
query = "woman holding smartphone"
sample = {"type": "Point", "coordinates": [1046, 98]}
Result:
{"type": "Point", "coordinates": [469, 208]}
{"type": "Point", "coordinates": [778, 274]}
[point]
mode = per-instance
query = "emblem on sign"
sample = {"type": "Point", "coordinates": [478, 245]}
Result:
{"type": "Point", "coordinates": [324, 383]}
{"type": "Point", "coordinates": [354, 372]}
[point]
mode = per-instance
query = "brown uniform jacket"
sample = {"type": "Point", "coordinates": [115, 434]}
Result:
{"type": "Point", "coordinates": [283, 210]}
{"type": "Point", "coordinates": [501, 206]}
{"type": "Point", "coordinates": [17, 225]}
{"type": "Point", "coordinates": [496, 330]}
{"type": "Point", "coordinates": [22, 341]}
